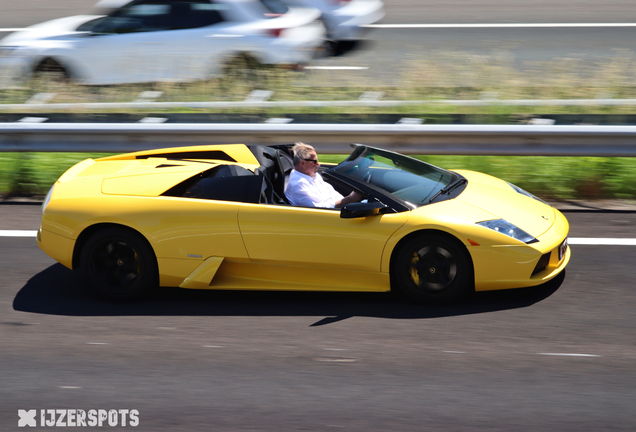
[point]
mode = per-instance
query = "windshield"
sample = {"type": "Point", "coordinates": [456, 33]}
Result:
{"type": "Point", "coordinates": [406, 178]}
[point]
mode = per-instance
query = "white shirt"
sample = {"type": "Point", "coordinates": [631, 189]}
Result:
{"type": "Point", "coordinates": [306, 191]}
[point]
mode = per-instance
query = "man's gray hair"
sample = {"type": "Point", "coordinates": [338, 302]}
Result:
{"type": "Point", "coordinates": [301, 151]}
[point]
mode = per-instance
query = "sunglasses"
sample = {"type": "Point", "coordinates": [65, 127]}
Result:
{"type": "Point", "coordinates": [315, 161]}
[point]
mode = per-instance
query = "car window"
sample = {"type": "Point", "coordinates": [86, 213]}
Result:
{"type": "Point", "coordinates": [189, 15]}
{"type": "Point", "coordinates": [159, 15]}
{"type": "Point", "coordinates": [139, 16]}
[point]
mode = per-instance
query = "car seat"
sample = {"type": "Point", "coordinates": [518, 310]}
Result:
{"type": "Point", "coordinates": [285, 165]}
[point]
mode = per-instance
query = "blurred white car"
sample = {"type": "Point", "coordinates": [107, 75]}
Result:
{"type": "Point", "coordinates": [345, 19]}
{"type": "Point", "coordinates": [163, 40]}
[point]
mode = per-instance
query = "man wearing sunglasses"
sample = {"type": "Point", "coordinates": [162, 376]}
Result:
{"type": "Point", "coordinates": [306, 187]}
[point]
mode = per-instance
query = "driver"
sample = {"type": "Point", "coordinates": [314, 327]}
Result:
{"type": "Point", "coordinates": [306, 187]}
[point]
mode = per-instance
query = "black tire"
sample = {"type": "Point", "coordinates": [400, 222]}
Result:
{"type": "Point", "coordinates": [242, 70]}
{"type": "Point", "coordinates": [119, 264]}
{"type": "Point", "coordinates": [433, 268]}
{"type": "Point", "coordinates": [49, 75]}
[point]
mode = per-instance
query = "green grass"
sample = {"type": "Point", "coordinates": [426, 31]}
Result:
{"type": "Point", "coordinates": [32, 174]}
{"type": "Point", "coordinates": [436, 76]}
{"type": "Point", "coordinates": [559, 178]}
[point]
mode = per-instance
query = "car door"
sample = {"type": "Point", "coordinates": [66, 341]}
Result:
{"type": "Point", "coordinates": [200, 39]}
{"type": "Point", "coordinates": [316, 237]}
{"type": "Point", "coordinates": [128, 45]}
{"type": "Point", "coordinates": [190, 228]}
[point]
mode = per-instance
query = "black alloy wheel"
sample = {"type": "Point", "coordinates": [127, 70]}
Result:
{"type": "Point", "coordinates": [433, 268]}
{"type": "Point", "coordinates": [119, 264]}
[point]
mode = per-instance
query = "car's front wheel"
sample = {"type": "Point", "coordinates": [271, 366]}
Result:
{"type": "Point", "coordinates": [119, 264]}
{"type": "Point", "coordinates": [433, 268]}
{"type": "Point", "coordinates": [49, 76]}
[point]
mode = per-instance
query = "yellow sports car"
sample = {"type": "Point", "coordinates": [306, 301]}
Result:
{"type": "Point", "coordinates": [216, 217]}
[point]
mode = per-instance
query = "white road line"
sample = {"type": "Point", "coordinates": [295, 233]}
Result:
{"type": "Point", "coordinates": [17, 233]}
{"type": "Point", "coordinates": [569, 355]}
{"type": "Point", "coordinates": [336, 67]}
{"type": "Point", "coordinates": [602, 241]}
{"type": "Point", "coordinates": [455, 352]}
{"type": "Point", "coordinates": [497, 25]}
{"type": "Point", "coordinates": [337, 360]}
{"type": "Point", "coordinates": [571, 240]}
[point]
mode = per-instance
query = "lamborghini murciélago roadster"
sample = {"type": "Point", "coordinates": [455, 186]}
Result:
{"type": "Point", "coordinates": [216, 217]}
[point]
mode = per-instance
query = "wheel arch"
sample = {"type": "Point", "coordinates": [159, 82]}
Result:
{"type": "Point", "coordinates": [40, 64]}
{"type": "Point", "coordinates": [89, 231]}
{"type": "Point", "coordinates": [253, 55]}
{"type": "Point", "coordinates": [428, 231]}
{"type": "Point", "coordinates": [73, 69]}
{"type": "Point", "coordinates": [247, 55]}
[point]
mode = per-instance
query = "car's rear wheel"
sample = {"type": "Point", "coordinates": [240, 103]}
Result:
{"type": "Point", "coordinates": [242, 70]}
{"type": "Point", "coordinates": [119, 264]}
{"type": "Point", "coordinates": [433, 268]}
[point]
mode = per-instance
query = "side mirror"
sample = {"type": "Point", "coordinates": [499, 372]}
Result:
{"type": "Point", "coordinates": [359, 209]}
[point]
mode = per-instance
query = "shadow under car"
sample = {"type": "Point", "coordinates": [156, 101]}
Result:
{"type": "Point", "coordinates": [60, 291]}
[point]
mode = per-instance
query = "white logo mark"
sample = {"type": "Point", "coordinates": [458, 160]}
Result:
{"type": "Point", "coordinates": [27, 418]}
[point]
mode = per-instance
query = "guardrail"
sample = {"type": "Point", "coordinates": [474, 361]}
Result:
{"type": "Point", "coordinates": [262, 104]}
{"type": "Point", "coordinates": [517, 140]}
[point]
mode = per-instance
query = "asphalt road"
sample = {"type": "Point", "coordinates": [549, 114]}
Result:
{"type": "Point", "coordinates": [561, 357]}
{"type": "Point", "coordinates": [388, 52]}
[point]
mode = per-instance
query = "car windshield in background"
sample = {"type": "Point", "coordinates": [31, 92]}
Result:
{"type": "Point", "coordinates": [409, 179]}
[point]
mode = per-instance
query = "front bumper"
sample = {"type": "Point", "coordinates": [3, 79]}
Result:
{"type": "Point", "coordinates": [58, 247]}
{"type": "Point", "coordinates": [518, 266]}
{"type": "Point", "coordinates": [14, 71]}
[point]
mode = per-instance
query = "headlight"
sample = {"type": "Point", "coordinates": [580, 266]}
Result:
{"type": "Point", "coordinates": [47, 198]}
{"type": "Point", "coordinates": [505, 227]}
{"type": "Point", "coordinates": [526, 193]}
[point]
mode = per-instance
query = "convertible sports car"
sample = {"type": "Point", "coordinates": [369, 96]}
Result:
{"type": "Point", "coordinates": [215, 217]}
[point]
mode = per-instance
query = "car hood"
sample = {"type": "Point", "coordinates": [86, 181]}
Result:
{"type": "Point", "coordinates": [56, 27]}
{"type": "Point", "coordinates": [499, 198]}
